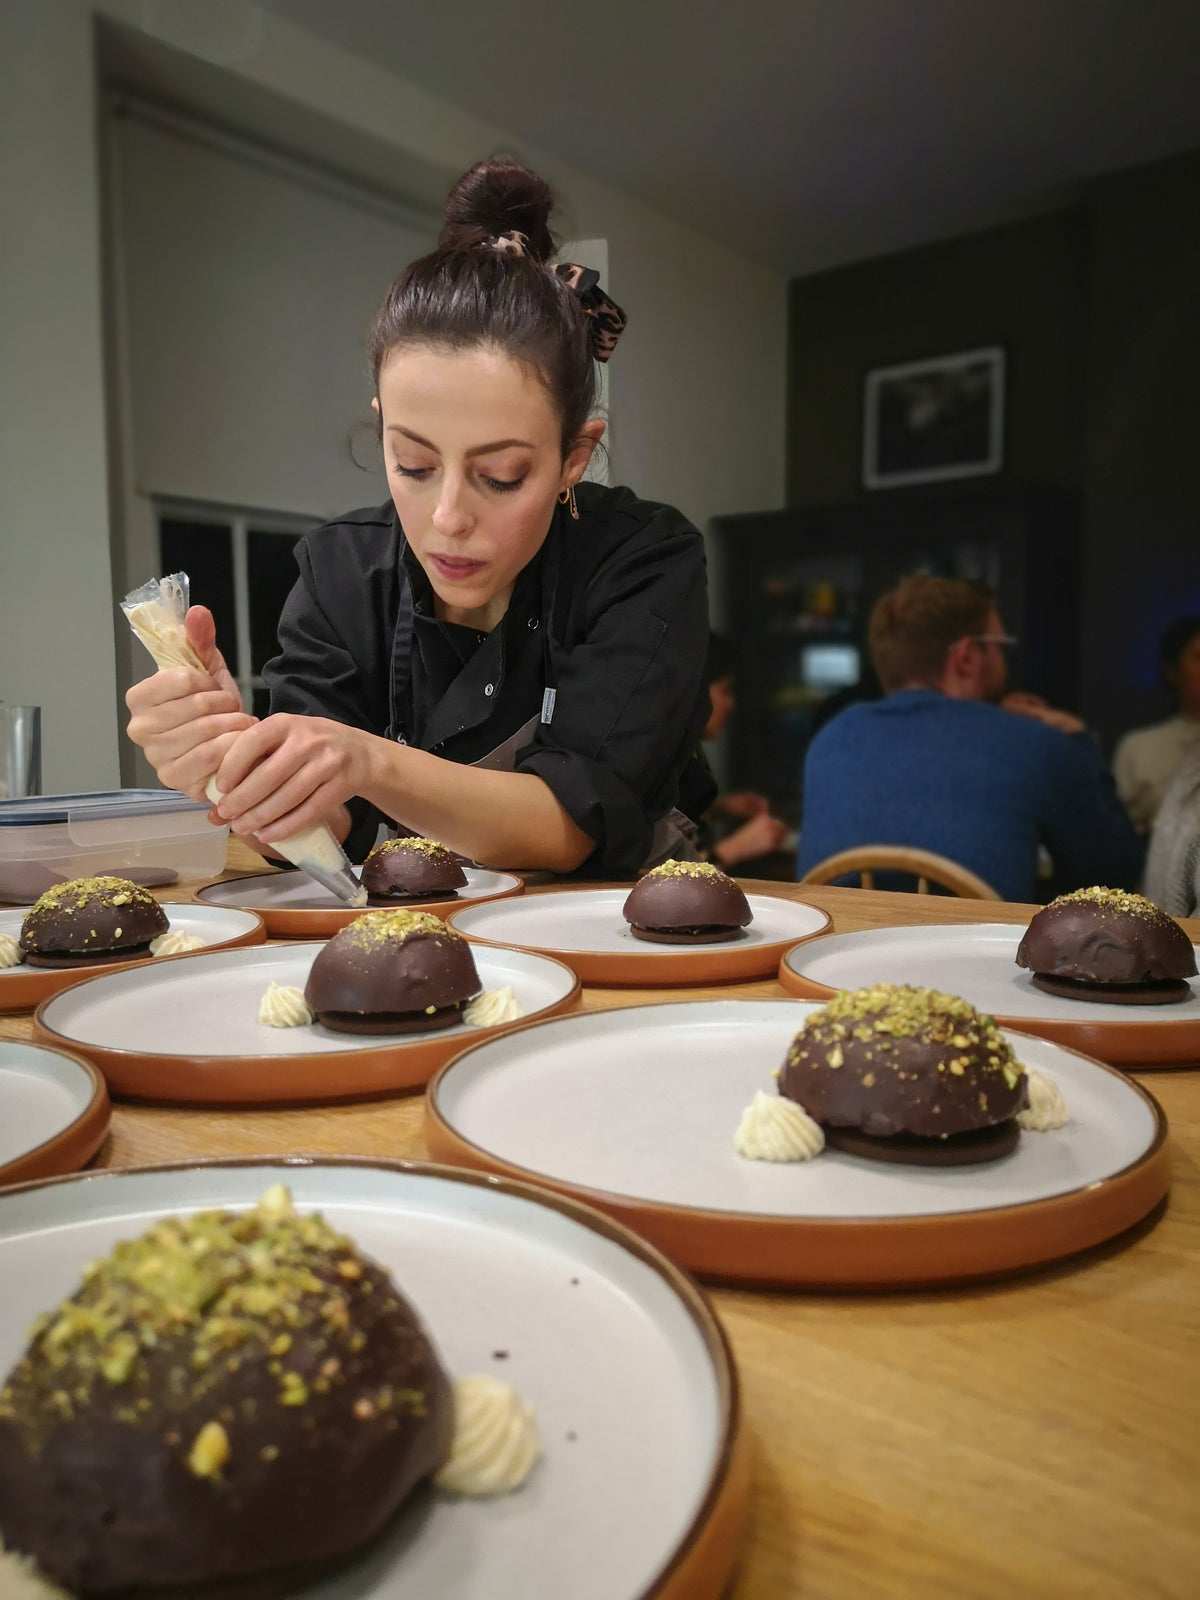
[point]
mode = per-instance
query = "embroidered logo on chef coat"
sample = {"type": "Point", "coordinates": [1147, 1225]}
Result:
{"type": "Point", "coordinates": [548, 700]}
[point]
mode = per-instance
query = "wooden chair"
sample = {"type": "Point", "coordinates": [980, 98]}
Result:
{"type": "Point", "coordinates": [923, 865]}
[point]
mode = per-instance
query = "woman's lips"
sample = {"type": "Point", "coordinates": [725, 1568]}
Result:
{"type": "Point", "coordinates": [456, 568]}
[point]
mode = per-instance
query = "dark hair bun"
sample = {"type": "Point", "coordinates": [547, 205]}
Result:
{"type": "Point", "coordinates": [498, 196]}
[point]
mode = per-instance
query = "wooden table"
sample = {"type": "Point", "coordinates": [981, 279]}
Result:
{"type": "Point", "coordinates": [1033, 1438]}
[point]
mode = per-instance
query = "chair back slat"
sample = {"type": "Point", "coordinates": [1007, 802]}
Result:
{"type": "Point", "coordinates": [924, 865]}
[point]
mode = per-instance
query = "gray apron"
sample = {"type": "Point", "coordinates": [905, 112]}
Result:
{"type": "Point", "coordinates": [674, 834]}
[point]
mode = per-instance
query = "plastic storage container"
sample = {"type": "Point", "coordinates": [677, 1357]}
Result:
{"type": "Point", "coordinates": [151, 835]}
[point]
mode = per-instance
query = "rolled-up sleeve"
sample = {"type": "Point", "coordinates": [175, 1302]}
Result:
{"type": "Point", "coordinates": [628, 694]}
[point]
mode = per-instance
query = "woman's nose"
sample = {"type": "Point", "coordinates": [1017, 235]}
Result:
{"type": "Point", "coordinates": [450, 515]}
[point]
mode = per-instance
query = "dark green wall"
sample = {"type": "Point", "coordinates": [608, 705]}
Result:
{"type": "Point", "coordinates": [1098, 309]}
{"type": "Point", "coordinates": [1142, 463]}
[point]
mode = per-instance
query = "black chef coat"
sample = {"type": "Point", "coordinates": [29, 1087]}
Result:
{"type": "Point", "coordinates": [604, 639]}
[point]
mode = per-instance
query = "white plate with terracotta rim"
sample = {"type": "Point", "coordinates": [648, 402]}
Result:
{"type": "Point", "coordinates": [622, 1358]}
{"type": "Point", "coordinates": [978, 962]}
{"type": "Point", "coordinates": [54, 1111]}
{"type": "Point", "coordinates": [585, 928]}
{"type": "Point", "coordinates": [294, 907]}
{"type": "Point", "coordinates": [190, 1035]}
{"type": "Point", "coordinates": [634, 1112]}
{"type": "Point", "coordinates": [23, 987]}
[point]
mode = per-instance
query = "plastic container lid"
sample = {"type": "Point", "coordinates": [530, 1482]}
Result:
{"type": "Point", "coordinates": [100, 806]}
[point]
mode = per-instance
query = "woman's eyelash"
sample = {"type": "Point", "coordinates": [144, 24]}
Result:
{"type": "Point", "coordinates": [500, 485]}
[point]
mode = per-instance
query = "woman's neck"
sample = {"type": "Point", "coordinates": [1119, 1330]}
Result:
{"type": "Point", "coordinates": [482, 618]}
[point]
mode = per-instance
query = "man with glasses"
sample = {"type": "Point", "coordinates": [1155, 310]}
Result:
{"type": "Point", "coordinates": [949, 762]}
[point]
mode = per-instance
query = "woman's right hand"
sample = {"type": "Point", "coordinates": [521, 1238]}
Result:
{"type": "Point", "coordinates": [186, 720]}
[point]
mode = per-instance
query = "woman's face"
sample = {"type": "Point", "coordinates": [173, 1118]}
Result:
{"type": "Point", "coordinates": [474, 459]}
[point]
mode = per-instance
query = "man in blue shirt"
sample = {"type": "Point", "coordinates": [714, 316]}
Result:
{"type": "Point", "coordinates": [946, 762]}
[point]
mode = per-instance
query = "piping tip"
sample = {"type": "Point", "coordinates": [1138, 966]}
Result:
{"type": "Point", "coordinates": [340, 882]}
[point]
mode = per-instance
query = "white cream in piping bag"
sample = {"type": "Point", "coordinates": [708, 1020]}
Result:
{"type": "Point", "coordinates": [156, 612]}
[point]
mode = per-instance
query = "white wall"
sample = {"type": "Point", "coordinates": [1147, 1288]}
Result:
{"type": "Point", "coordinates": [698, 382]}
{"type": "Point", "coordinates": [247, 295]}
{"type": "Point", "coordinates": [697, 387]}
{"type": "Point", "coordinates": [56, 624]}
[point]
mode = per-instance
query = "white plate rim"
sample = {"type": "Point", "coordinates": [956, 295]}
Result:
{"type": "Point", "coordinates": [510, 880]}
{"type": "Point", "coordinates": [93, 1078]}
{"type": "Point", "coordinates": [687, 1291]}
{"type": "Point", "coordinates": [372, 1042]}
{"type": "Point", "coordinates": [646, 950]}
{"type": "Point", "coordinates": [820, 944]}
{"type": "Point", "coordinates": [668, 1209]}
{"type": "Point", "coordinates": [198, 910]}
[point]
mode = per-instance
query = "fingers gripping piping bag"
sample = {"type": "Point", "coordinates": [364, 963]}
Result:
{"type": "Point", "coordinates": [156, 612]}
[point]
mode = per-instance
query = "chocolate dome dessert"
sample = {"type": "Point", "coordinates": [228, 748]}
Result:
{"type": "Point", "coordinates": [231, 1404]}
{"type": "Point", "coordinates": [90, 920]}
{"type": "Point", "coordinates": [686, 902]}
{"type": "Point", "coordinates": [392, 972]}
{"type": "Point", "coordinates": [412, 869]}
{"type": "Point", "coordinates": [904, 1074]}
{"type": "Point", "coordinates": [1105, 944]}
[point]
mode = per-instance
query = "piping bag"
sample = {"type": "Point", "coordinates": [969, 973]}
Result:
{"type": "Point", "coordinates": [156, 613]}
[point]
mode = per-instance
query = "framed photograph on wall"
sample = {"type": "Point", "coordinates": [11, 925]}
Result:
{"type": "Point", "coordinates": [932, 420]}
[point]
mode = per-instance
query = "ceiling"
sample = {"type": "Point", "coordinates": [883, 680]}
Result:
{"type": "Point", "coordinates": [816, 132]}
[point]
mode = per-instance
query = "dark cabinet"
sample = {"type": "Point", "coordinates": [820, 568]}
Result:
{"type": "Point", "coordinates": [799, 586]}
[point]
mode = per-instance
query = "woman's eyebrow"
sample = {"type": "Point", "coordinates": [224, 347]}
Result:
{"type": "Point", "coordinates": [479, 449]}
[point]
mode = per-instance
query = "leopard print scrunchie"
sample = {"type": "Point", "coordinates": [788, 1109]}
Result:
{"type": "Point", "coordinates": [606, 320]}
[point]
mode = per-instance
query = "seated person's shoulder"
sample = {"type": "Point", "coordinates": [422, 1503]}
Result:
{"type": "Point", "coordinates": [1138, 742]}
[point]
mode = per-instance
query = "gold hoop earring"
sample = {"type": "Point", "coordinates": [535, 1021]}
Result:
{"type": "Point", "coordinates": [566, 497]}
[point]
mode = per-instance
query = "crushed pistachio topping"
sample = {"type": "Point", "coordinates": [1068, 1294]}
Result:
{"type": "Point", "coordinates": [1136, 905]}
{"type": "Point", "coordinates": [204, 1293]}
{"type": "Point", "coordinates": [885, 1012]}
{"type": "Point", "coordinates": [82, 893]}
{"type": "Point", "coordinates": [210, 1451]}
{"type": "Point", "coordinates": [65, 912]}
{"type": "Point", "coordinates": [377, 928]}
{"type": "Point", "coordinates": [425, 847]}
{"type": "Point", "coordinates": [685, 869]}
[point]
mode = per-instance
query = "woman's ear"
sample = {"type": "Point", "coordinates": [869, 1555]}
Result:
{"type": "Point", "coordinates": [577, 457]}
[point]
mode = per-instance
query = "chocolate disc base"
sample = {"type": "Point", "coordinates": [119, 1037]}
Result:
{"type": "Point", "coordinates": [1161, 992]}
{"type": "Point", "coordinates": [86, 958]}
{"type": "Point", "coordinates": [411, 899]}
{"type": "Point", "coordinates": [908, 1149]}
{"type": "Point", "coordinates": [686, 936]}
{"type": "Point", "coordinates": [381, 1022]}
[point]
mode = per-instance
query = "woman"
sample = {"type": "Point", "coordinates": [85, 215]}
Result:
{"type": "Point", "coordinates": [503, 657]}
{"type": "Point", "coordinates": [1147, 759]}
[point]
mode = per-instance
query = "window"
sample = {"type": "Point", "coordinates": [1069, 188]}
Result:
{"type": "Point", "coordinates": [241, 566]}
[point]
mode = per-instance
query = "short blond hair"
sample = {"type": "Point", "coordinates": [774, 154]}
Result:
{"type": "Point", "coordinates": [914, 625]}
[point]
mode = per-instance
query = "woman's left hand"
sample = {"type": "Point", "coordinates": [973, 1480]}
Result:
{"type": "Point", "coordinates": [288, 772]}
